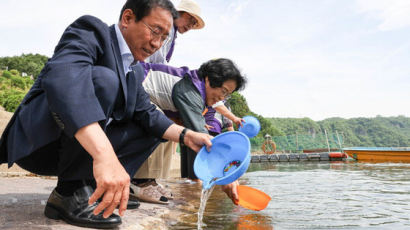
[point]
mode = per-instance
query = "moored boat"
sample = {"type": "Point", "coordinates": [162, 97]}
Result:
{"type": "Point", "coordinates": [379, 154]}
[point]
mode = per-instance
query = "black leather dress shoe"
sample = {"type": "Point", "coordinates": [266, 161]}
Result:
{"type": "Point", "coordinates": [133, 204]}
{"type": "Point", "coordinates": [76, 211]}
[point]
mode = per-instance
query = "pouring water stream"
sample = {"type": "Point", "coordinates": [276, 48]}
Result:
{"type": "Point", "coordinates": [205, 194]}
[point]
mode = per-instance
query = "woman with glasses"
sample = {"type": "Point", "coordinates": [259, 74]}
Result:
{"type": "Point", "coordinates": [186, 95]}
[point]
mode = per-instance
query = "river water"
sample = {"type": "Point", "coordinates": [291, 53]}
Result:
{"type": "Point", "coordinates": [340, 195]}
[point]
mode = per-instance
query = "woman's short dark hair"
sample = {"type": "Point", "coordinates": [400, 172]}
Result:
{"type": "Point", "coordinates": [219, 71]}
{"type": "Point", "coordinates": [142, 8]}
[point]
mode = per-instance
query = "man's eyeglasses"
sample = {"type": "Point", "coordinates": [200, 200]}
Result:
{"type": "Point", "coordinates": [155, 35]}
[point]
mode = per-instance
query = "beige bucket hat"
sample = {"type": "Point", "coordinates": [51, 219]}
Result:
{"type": "Point", "coordinates": [194, 10]}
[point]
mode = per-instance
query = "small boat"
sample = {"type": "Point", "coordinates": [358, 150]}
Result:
{"type": "Point", "coordinates": [322, 150]}
{"type": "Point", "coordinates": [379, 154]}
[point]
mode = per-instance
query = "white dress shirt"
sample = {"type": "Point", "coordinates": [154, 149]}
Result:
{"type": "Point", "coordinates": [126, 55]}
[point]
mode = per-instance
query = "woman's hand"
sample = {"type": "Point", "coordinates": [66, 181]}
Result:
{"type": "Point", "coordinates": [238, 121]}
{"type": "Point", "coordinates": [231, 191]}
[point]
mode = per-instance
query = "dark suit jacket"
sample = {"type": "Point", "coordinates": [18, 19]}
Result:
{"type": "Point", "coordinates": [63, 97]}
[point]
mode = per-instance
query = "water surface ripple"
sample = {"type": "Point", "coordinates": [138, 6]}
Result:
{"type": "Point", "coordinates": [339, 195]}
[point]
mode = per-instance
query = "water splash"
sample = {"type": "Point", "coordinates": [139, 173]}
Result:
{"type": "Point", "coordinates": [205, 194]}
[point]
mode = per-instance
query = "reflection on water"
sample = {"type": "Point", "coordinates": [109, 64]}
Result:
{"type": "Point", "coordinates": [310, 196]}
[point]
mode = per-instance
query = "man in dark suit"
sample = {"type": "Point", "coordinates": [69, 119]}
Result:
{"type": "Point", "coordinates": [87, 118]}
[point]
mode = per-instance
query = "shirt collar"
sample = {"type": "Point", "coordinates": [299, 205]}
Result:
{"type": "Point", "coordinates": [126, 55]}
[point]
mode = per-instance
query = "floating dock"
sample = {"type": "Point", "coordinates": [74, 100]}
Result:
{"type": "Point", "coordinates": [293, 157]}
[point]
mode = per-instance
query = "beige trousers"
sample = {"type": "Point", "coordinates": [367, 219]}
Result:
{"type": "Point", "coordinates": [158, 165]}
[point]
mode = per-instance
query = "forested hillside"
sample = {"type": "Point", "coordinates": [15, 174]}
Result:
{"type": "Point", "coordinates": [377, 132]}
{"type": "Point", "coordinates": [29, 64]}
{"type": "Point", "coordinates": [240, 108]}
{"type": "Point", "coordinates": [304, 133]}
{"type": "Point", "coordinates": [17, 75]}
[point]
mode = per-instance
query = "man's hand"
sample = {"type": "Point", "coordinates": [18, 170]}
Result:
{"type": "Point", "coordinates": [113, 185]}
{"type": "Point", "coordinates": [112, 180]}
{"type": "Point", "coordinates": [195, 140]}
{"type": "Point", "coordinates": [231, 191]}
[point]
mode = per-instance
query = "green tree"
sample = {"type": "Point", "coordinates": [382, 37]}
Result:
{"type": "Point", "coordinates": [18, 82]}
{"type": "Point", "coordinates": [361, 132]}
{"type": "Point", "coordinates": [28, 82]}
{"type": "Point", "coordinates": [240, 108]}
{"type": "Point", "coordinates": [10, 99]}
{"type": "Point", "coordinates": [7, 74]}
{"type": "Point", "coordinates": [31, 64]}
{"type": "Point", "coordinates": [15, 72]}
{"type": "Point", "coordinates": [238, 104]}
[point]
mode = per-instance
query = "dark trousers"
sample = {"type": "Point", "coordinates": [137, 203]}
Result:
{"type": "Point", "coordinates": [68, 160]}
{"type": "Point", "coordinates": [187, 163]}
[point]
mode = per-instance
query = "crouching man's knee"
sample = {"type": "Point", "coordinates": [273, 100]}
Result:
{"type": "Point", "coordinates": [106, 85]}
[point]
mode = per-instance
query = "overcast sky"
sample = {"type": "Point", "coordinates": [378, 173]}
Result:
{"type": "Point", "coordinates": [302, 58]}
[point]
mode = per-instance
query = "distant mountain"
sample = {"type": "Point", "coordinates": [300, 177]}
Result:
{"type": "Point", "coordinates": [378, 132]}
{"type": "Point", "coordinates": [304, 133]}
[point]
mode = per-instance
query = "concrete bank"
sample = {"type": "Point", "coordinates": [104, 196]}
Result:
{"type": "Point", "coordinates": [22, 202]}
{"type": "Point", "coordinates": [23, 199]}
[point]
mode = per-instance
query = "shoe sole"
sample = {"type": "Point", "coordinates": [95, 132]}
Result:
{"type": "Point", "coordinates": [53, 212]}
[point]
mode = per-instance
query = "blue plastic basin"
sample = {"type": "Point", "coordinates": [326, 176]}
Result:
{"type": "Point", "coordinates": [250, 127]}
{"type": "Point", "coordinates": [228, 159]}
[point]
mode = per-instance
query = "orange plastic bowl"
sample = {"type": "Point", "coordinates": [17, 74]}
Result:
{"type": "Point", "coordinates": [252, 198]}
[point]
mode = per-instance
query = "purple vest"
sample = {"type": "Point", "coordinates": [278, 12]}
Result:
{"type": "Point", "coordinates": [212, 121]}
{"type": "Point", "coordinates": [177, 72]}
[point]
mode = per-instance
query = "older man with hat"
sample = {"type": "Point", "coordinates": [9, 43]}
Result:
{"type": "Point", "coordinates": [144, 187]}
{"type": "Point", "coordinates": [189, 18]}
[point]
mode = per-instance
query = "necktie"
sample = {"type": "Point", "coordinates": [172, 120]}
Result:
{"type": "Point", "coordinates": [124, 107]}
{"type": "Point", "coordinates": [131, 94]}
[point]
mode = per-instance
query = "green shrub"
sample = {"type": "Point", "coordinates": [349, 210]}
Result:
{"type": "Point", "coordinates": [18, 82]}
{"type": "Point", "coordinates": [15, 72]}
{"type": "Point", "coordinates": [7, 74]}
{"type": "Point", "coordinates": [10, 99]}
{"type": "Point", "coordinates": [28, 82]}
{"type": "Point", "coordinates": [12, 102]}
